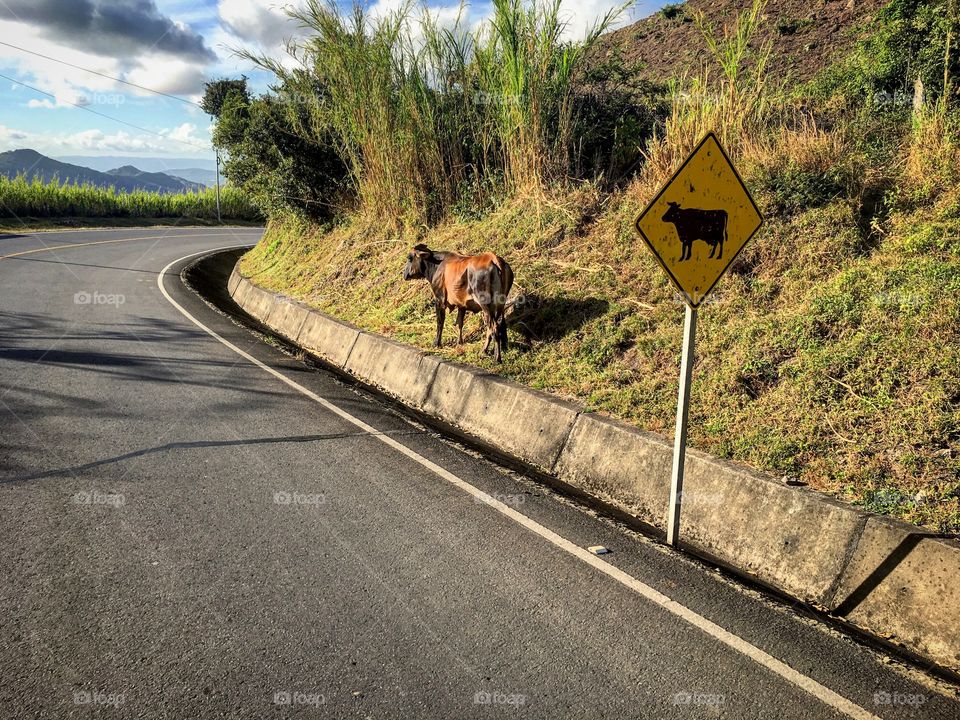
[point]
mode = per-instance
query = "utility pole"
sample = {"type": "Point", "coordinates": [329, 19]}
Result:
{"type": "Point", "coordinates": [218, 187]}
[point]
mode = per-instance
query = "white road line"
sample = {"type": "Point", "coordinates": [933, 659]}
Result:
{"type": "Point", "coordinates": [822, 693]}
{"type": "Point", "coordinates": [68, 246]}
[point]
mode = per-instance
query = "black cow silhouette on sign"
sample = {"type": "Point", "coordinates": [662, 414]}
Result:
{"type": "Point", "coordinates": [694, 224]}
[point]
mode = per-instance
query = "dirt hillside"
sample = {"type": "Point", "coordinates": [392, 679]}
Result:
{"type": "Point", "coordinates": [806, 36]}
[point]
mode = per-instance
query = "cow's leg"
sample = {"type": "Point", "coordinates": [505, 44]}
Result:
{"type": "Point", "coordinates": [461, 314]}
{"type": "Point", "coordinates": [713, 249]}
{"type": "Point", "coordinates": [493, 335]}
{"type": "Point", "coordinates": [720, 244]}
{"type": "Point", "coordinates": [441, 317]}
{"type": "Point", "coordinates": [488, 323]}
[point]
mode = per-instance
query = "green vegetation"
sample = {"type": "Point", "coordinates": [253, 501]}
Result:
{"type": "Point", "coordinates": [430, 120]}
{"type": "Point", "coordinates": [792, 27]}
{"type": "Point", "coordinates": [20, 199]}
{"type": "Point", "coordinates": [271, 154]}
{"type": "Point", "coordinates": [830, 353]}
{"type": "Point", "coordinates": [673, 11]}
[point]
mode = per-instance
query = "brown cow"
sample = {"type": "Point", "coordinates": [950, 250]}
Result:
{"type": "Point", "coordinates": [469, 283]}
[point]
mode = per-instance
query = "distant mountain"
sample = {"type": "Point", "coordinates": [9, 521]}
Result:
{"type": "Point", "coordinates": [197, 175]}
{"type": "Point", "coordinates": [103, 163]}
{"type": "Point", "coordinates": [125, 179]}
{"type": "Point", "coordinates": [161, 182]}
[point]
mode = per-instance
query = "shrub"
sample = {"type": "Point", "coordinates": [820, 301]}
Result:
{"type": "Point", "coordinates": [906, 41]}
{"type": "Point", "coordinates": [272, 153]}
{"type": "Point", "coordinates": [673, 11]}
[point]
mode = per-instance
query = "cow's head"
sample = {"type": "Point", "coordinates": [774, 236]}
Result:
{"type": "Point", "coordinates": [416, 267]}
{"type": "Point", "coordinates": [672, 213]}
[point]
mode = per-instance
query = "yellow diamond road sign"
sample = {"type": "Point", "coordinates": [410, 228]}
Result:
{"type": "Point", "coordinates": [700, 221]}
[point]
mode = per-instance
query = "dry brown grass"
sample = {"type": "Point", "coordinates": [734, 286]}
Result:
{"type": "Point", "coordinates": [932, 157]}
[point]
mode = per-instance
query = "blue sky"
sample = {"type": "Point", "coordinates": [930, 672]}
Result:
{"type": "Point", "coordinates": [168, 45]}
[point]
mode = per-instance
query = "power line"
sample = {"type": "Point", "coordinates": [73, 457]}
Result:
{"type": "Point", "coordinates": [108, 117]}
{"type": "Point", "coordinates": [103, 75]}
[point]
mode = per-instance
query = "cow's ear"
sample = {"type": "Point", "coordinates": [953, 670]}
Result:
{"type": "Point", "coordinates": [421, 249]}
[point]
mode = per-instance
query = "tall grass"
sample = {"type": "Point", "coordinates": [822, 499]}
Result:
{"type": "Point", "coordinates": [429, 115]}
{"type": "Point", "coordinates": [729, 96]}
{"type": "Point", "coordinates": [932, 151]}
{"type": "Point", "coordinates": [21, 198]}
{"type": "Point", "coordinates": [523, 64]}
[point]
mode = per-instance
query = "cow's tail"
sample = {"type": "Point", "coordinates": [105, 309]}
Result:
{"type": "Point", "coordinates": [504, 275]}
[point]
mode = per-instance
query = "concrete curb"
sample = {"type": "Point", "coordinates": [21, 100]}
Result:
{"type": "Point", "coordinates": [894, 581]}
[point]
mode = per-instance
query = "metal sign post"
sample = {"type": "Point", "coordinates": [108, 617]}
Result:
{"type": "Point", "coordinates": [696, 227]}
{"type": "Point", "coordinates": [680, 437]}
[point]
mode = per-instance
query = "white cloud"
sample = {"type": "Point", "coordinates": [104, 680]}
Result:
{"type": "Point", "coordinates": [579, 15]}
{"type": "Point", "coordinates": [8, 134]}
{"type": "Point", "coordinates": [176, 77]}
{"type": "Point", "coordinates": [117, 142]}
{"type": "Point", "coordinates": [264, 24]}
{"type": "Point", "coordinates": [108, 27]}
{"type": "Point", "coordinates": [93, 140]}
{"type": "Point", "coordinates": [186, 133]}
{"type": "Point", "coordinates": [582, 15]}
{"type": "Point", "coordinates": [71, 85]}
{"type": "Point", "coordinates": [65, 83]}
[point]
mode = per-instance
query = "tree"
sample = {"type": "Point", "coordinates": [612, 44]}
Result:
{"type": "Point", "coordinates": [216, 93]}
{"type": "Point", "coordinates": [276, 153]}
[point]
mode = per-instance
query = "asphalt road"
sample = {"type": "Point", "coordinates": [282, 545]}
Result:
{"type": "Point", "coordinates": [183, 534]}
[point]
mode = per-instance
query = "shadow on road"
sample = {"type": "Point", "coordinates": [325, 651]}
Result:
{"type": "Point", "coordinates": [80, 264]}
{"type": "Point", "coordinates": [201, 444]}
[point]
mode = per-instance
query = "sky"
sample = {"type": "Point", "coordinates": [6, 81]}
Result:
{"type": "Point", "coordinates": [173, 46]}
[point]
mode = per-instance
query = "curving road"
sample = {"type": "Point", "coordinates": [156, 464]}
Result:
{"type": "Point", "coordinates": [195, 525]}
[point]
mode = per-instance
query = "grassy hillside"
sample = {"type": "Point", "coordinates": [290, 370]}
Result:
{"type": "Point", "coordinates": [817, 360]}
{"type": "Point", "coordinates": [830, 353]}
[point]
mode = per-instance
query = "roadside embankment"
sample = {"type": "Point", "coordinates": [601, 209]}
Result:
{"type": "Point", "coordinates": [892, 580]}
